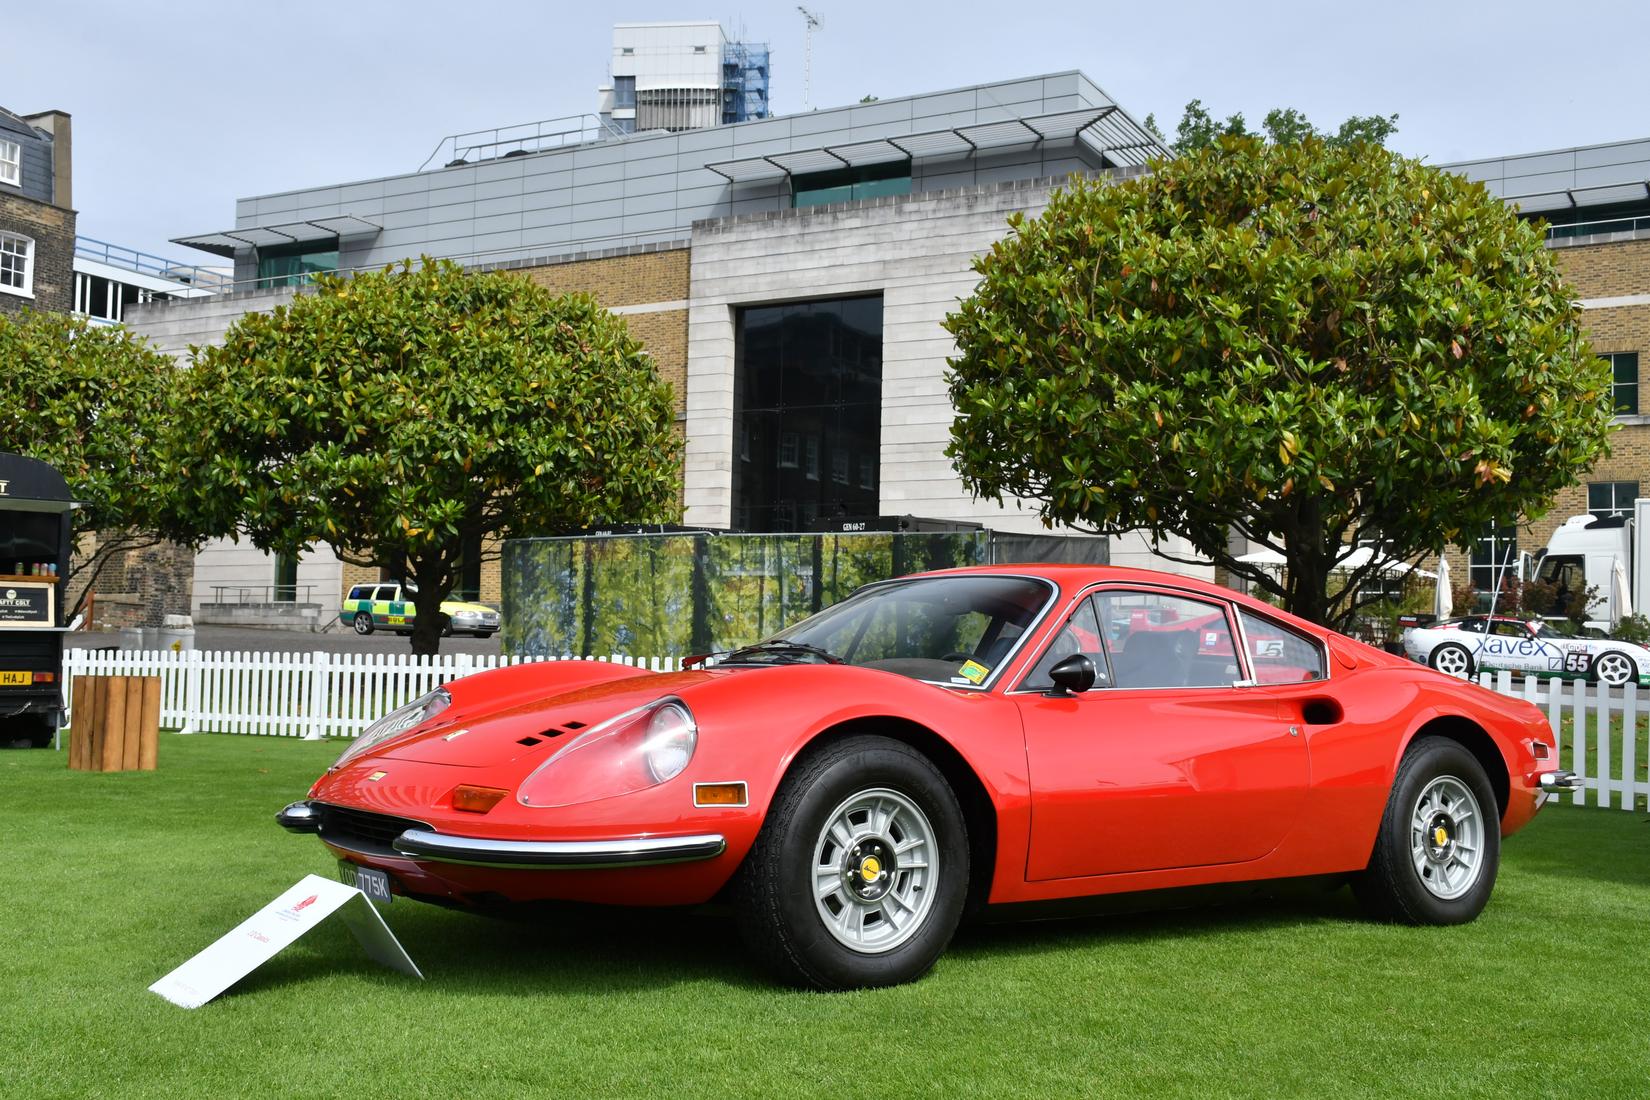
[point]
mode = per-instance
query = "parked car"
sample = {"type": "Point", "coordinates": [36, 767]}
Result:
{"type": "Point", "coordinates": [1461, 647]}
{"type": "Point", "coordinates": [388, 606]}
{"type": "Point", "coordinates": [940, 743]}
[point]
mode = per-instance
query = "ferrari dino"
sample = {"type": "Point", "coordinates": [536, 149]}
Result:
{"type": "Point", "coordinates": [943, 743]}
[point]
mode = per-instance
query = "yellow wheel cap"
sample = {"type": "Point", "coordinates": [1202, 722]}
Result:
{"type": "Point", "coordinates": [869, 868]}
{"type": "Point", "coordinates": [1440, 836]}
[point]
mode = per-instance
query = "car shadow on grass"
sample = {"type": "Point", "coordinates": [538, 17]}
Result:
{"type": "Point", "coordinates": [1140, 918]}
{"type": "Point", "coordinates": [533, 951]}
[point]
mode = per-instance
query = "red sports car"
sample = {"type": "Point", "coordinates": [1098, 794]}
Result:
{"type": "Point", "coordinates": [940, 743]}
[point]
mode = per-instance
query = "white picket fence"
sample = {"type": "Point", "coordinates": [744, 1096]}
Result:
{"type": "Point", "coordinates": [1608, 735]}
{"type": "Point", "coordinates": [314, 695]}
{"type": "Point", "coordinates": [309, 695]}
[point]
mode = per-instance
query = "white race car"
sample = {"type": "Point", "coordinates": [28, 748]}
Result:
{"type": "Point", "coordinates": [1462, 647]}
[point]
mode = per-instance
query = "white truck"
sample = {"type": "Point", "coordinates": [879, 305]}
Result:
{"type": "Point", "coordinates": [1610, 554]}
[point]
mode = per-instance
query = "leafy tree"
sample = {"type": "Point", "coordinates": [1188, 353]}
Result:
{"type": "Point", "coordinates": [1199, 129]}
{"type": "Point", "coordinates": [91, 400]}
{"type": "Point", "coordinates": [402, 415]}
{"type": "Point", "coordinates": [1310, 346]}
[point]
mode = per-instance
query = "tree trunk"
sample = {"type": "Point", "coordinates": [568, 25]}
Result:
{"type": "Point", "coordinates": [429, 624]}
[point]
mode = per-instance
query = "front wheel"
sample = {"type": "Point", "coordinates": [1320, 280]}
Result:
{"type": "Point", "coordinates": [1452, 660]}
{"type": "Point", "coordinates": [1439, 844]}
{"type": "Point", "coordinates": [1614, 669]}
{"type": "Point", "coordinates": [362, 623]}
{"type": "Point", "coordinates": [859, 874]}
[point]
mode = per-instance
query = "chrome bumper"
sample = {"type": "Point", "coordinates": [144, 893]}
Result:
{"type": "Point", "coordinates": [551, 854]}
{"type": "Point", "coordinates": [300, 817]}
{"type": "Point", "coordinates": [426, 844]}
{"type": "Point", "coordinates": [1553, 782]}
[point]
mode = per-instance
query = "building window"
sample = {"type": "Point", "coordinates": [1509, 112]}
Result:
{"type": "Point", "coordinates": [867, 181]}
{"type": "Point", "coordinates": [11, 163]}
{"type": "Point", "coordinates": [296, 264]}
{"type": "Point", "coordinates": [1624, 371]}
{"type": "Point", "coordinates": [1494, 559]}
{"type": "Point", "coordinates": [807, 389]}
{"type": "Point", "coordinates": [624, 91]}
{"type": "Point", "coordinates": [16, 264]}
{"type": "Point", "coordinates": [1611, 498]}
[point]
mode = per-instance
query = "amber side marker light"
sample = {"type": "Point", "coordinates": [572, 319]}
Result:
{"type": "Point", "coordinates": [719, 794]}
{"type": "Point", "coordinates": [477, 800]}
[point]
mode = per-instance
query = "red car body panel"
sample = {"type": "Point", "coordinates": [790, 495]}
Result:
{"type": "Point", "coordinates": [1108, 791]}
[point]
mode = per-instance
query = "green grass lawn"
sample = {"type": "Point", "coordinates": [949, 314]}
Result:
{"type": "Point", "coordinates": [109, 881]}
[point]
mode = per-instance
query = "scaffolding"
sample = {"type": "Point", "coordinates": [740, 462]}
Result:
{"type": "Point", "coordinates": [744, 81]}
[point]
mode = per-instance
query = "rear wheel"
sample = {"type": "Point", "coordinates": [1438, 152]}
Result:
{"type": "Point", "coordinates": [362, 622]}
{"type": "Point", "coordinates": [859, 874]}
{"type": "Point", "coordinates": [1439, 844]}
{"type": "Point", "coordinates": [1452, 660]}
{"type": "Point", "coordinates": [1614, 669]}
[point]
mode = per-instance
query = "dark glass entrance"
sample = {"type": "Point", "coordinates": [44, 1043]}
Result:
{"type": "Point", "coordinates": [807, 412]}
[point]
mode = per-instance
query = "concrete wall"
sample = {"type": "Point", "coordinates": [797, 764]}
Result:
{"type": "Point", "coordinates": [916, 251]}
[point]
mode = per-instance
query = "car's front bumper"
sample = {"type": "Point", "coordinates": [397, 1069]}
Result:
{"type": "Point", "coordinates": [427, 845]}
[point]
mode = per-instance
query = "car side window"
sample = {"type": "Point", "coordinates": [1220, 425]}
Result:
{"type": "Point", "coordinates": [361, 592]}
{"type": "Point", "coordinates": [1473, 626]}
{"type": "Point", "coordinates": [1158, 640]}
{"type": "Point", "coordinates": [1510, 630]}
{"type": "Point", "coordinates": [385, 592]}
{"type": "Point", "coordinates": [1081, 634]}
{"type": "Point", "coordinates": [1279, 654]}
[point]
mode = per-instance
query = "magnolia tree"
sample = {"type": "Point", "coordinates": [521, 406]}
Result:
{"type": "Point", "coordinates": [1310, 346]}
{"type": "Point", "coordinates": [405, 415]}
{"type": "Point", "coordinates": [93, 401]}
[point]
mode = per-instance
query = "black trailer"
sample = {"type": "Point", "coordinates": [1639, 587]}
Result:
{"type": "Point", "coordinates": [34, 569]}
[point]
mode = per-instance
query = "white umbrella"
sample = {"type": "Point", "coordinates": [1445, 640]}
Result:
{"type": "Point", "coordinates": [1624, 602]}
{"type": "Point", "coordinates": [1443, 601]}
{"type": "Point", "coordinates": [1264, 557]}
{"type": "Point", "coordinates": [1363, 555]}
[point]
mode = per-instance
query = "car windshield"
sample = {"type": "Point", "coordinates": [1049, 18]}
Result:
{"type": "Point", "coordinates": [949, 630]}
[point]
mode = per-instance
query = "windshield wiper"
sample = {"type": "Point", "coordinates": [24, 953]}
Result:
{"type": "Point", "coordinates": [780, 645]}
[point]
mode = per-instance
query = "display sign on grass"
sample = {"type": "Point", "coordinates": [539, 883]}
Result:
{"type": "Point", "coordinates": [261, 937]}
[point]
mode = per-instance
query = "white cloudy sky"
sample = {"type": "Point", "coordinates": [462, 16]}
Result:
{"type": "Point", "coordinates": [181, 106]}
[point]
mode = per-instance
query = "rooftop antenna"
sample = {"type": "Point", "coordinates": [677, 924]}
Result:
{"type": "Point", "coordinates": [811, 23]}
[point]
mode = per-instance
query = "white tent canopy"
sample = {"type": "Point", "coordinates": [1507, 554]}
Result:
{"type": "Point", "coordinates": [1358, 559]}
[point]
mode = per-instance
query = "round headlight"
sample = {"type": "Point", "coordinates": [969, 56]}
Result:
{"type": "Point", "coordinates": [397, 722]}
{"type": "Point", "coordinates": [671, 738]}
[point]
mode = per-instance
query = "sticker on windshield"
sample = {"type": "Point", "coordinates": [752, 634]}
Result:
{"type": "Point", "coordinates": [973, 672]}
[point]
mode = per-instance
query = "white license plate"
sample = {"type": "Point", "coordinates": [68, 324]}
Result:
{"type": "Point", "coordinates": [370, 881]}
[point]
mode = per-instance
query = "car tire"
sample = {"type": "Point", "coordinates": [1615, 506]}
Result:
{"type": "Point", "coordinates": [826, 825]}
{"type": "Point", "coordinates": [1439, 844]}
{"type": "Point", "coordinates": [1452, 660]}
{"type": "Point", "coordinates": [1613, 668]}
{"type": "Point", "coordinates": [362, 623]}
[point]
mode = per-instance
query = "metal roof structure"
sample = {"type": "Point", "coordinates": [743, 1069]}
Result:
{"type": "Point", "coordinates": [1106, 130]}
{"type": "Point", "coordinates": [224, 242]}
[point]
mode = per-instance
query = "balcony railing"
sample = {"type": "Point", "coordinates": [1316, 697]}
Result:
{"type": "Point", "coordinates": [1598, 228]}
{"type": "Point", "coordinates": [130, 259]}
{"type": "Point", "coordinates": [518, 140]}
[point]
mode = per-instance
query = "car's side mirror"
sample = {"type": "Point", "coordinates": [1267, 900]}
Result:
{"type": "Point", "coordinates": [1073, 675]}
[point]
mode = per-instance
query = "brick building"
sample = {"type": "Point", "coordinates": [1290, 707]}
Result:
{"type": "Point", "coordinates": [37, 217]}
{"type": "Point", "coordinates": [1596, 201]}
